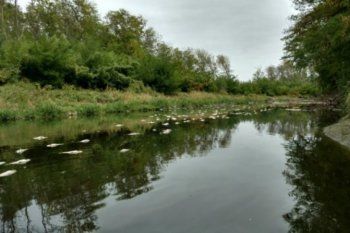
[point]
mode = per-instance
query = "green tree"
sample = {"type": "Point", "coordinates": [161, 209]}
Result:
{"type": "Point", "coordinates": [320, 39]}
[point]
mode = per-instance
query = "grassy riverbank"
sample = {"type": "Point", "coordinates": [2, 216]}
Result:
{"type": "Point", "coordinates": [26, 101]}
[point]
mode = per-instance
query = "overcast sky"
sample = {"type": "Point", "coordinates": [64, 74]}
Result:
{"type": "Point", "coordinates": [248, 31]}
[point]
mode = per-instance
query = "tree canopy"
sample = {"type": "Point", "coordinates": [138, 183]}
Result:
{"type": "Point", "coordinates": [319, 39]}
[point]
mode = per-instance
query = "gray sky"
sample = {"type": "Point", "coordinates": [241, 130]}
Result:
{"type": "Point", "coordinates": [248, 31]}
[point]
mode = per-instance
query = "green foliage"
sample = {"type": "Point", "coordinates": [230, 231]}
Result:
{"type": "Point", "coordinates": [12, 53]}
{"type": "Point", "coordinates": [48, 111]}
{"type": "Point", "coordinates": [138, 87]}
{"type": "Point", "coordinates": [55, 43]}
{"type": "Point", "coordinates": [320, 39]}
{"type": "Point", "coordinates": [6, 116]}
{"type": "Point", "coordinates": [159, 74]}
{"type": "Point", "coordinates": [89, 110]}
{"type": "Point", "coordinates": [48, 61]}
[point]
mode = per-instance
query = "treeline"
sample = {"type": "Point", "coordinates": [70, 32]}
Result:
{"type": "Point", "coordinates": [284, 79]}
{"type": "Point", "coordinates": [59, 42]}
{"type": "Point", "coordinates": [320, 38]}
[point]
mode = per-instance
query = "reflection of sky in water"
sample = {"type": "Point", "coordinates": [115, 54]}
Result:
{"type": "Point", "coordinates": [227, 175]}
{"type": "Point", "coordinates": [229, 190]}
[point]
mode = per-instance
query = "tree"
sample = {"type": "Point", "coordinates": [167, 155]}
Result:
{"type": "Point", "coordinates": [224, 65]}
{"type": "Point", "coordinates": [320, 39]}
{"type": "Point", "coordinates": [128, 31]}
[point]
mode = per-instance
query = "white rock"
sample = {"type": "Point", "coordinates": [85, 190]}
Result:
{"type": "Point", "coordinates": [2, 163]}
{"type": "Point", "coordinates": [119, 125]}
{"type": "Point", "coordinates": [21, 162]}
{"type": "Point", "coordinates": [166, 124]}
{"type": "Point", "coordinates": [124, 150]}
{"type": "Point", "coordinates": [73, 152]}
{"type": "Point", "coordinates": [21, 151]}
{"type": "Point", "coordinates": [8, 173]}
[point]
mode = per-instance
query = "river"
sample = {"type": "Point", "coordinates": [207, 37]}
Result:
{"type": "Point", "coordinates": [268, 171]}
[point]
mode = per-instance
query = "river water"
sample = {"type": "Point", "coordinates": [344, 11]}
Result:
{"type": "Point", "coordinates": [272, 171]}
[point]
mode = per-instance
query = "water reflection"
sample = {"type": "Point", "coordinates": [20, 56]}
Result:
{"type": "Point", "coordinates": [319, 173]}
{"type": "Point", "coordinates": [56, 193]}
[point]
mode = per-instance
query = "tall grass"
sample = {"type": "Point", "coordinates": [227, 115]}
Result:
{"type": "Point", "coordinates": [48, 111]}
{"type": "Point", "coordinates": [28, 101]}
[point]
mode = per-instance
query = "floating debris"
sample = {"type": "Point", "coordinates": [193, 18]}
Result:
{"type": "Point", "coordinates": [53, 145]}
{"type": "Point", "coordinates": [133, 134]}
{"type": "Point", "coordinates": [124, 150]}
{"type": "Point", "coordinates": [166, 131]}
{"type": "Point", "coordinates": [294, 109]}
{"type": "Point", "coordinates": [40, 138]}
{"type": "Point", "coordinates": [8, 173]}
{"type": "Point", "coordinates": [21, 162]}
{"type": "Point", "coordinates": [21, 151]}
{"type": "Point", "coordinates": [85, 141]}
{"type": "Point", "coordinates": [73, 152]}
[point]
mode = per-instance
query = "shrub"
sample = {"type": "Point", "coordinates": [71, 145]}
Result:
{"type": "Point", "coordinates": [89, 110]}
{"type": "Point", "coordinates": [48, 61]}
{"type": "Point", "coordinates": [159, 74]}
{"type": "Point", "coordinates": [6, 116]}
{"type": "Point", "coordinates": [48, 111]}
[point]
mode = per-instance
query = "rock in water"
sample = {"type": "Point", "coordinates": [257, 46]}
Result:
{"type": "Point", "coordinates": [8, 173]}
{"type": "Point", "coordinates": [21, 151]}
{"type": "Point", "coordinates": [73, 152]}
{"type": "Point", "coordinates": [2, 163]}
{"type": "Point", "coordinates": [124, 150]}
{"type": "Point", "coordinates": [21, 162]}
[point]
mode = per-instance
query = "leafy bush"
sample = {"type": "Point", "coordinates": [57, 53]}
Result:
{"type": "Point", "coordinates": [89, 110]}
{"type": "Point", "coordinates": [48, 111]}
{"type": "Point", "coordinates": [159, 74]}
{"type": "Point", "coordinates": [6, 115]}
{"type": "Point", "coordinates": [12, 53]}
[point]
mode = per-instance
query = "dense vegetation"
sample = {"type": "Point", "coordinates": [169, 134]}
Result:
{"type": "Point", "coordinates": [319, 40]}
{"type": "Point", "coordinates": [65, 42]}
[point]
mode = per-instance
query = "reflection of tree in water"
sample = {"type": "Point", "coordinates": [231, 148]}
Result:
{"type": "Point", "coordinates": [319, 172]}
{"type": "Point", "coordinates": [67, 191]}
{"type": "Point", "coordinates": [285, 123]}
